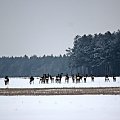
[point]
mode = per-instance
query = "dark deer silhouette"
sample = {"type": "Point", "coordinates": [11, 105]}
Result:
{"type": "Point", "coordinates": [78, 78]}
{"type": "Point", "coordinates": [73, 78]}
{"type": "Point", "coordinates": [52, 79]}
{"type": "Point", "coordinates": [47, 78]}
{"type": "Point", "coordinates": [58, 78]}
{"type": "Point", "coordinates": [92, 78]}
{"type": "Point", "coordinates": [44, 79]}
{"type": "Point", "coordinates": [67, 78]}
{"type": "Point", "coordinates": [31, 80]}
{"type": "Point", "coordinates": [85, 78]}
{"type": "Point", "coordinates": [6, 80]}
{"type": "Point", "coordinates": [114, 79]}
{"type": "Point", "coordinates": [107, 78]}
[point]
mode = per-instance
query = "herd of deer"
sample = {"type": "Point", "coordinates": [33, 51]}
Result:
{"type": "Point", "coordinates": [75, 79]}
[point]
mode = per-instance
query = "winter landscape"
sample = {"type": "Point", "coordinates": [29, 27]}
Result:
{"type": "Point", "coordinates": [60, 107]}
{"type": "Point", "coordinates": [85, 107]}
{"type": "Point", "coordinates": [60, 59]}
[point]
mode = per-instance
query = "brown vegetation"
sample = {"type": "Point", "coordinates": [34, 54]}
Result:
{"type": "Point", "coordinates": [60, 91]}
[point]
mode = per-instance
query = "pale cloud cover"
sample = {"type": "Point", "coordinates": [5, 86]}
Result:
{"type": "Point", "coordinates": [49, 26]}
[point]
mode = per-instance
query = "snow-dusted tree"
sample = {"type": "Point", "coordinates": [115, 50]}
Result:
{"type": "Point", "coordinates": [97, 54]}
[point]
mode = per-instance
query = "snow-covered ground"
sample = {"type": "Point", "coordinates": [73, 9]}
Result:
{"type": "Point", "coordinates": [85, 107]}
{"type": "Point", "coordinates": [81, 107]}
{"type": "Point", "coordinates": [24, 83]}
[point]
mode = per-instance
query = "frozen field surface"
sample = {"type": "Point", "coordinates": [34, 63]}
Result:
{"type": "Point", "coordinates": [85, 107]}
{"type": "Point", "coordinates": [24, 83]}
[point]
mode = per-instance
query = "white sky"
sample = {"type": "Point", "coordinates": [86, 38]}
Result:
{"type": "Point", "coordinates": [49, 26]}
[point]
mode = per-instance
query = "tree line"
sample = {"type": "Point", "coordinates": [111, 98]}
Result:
{"type": "Point", "coordinates": [97, 54]}
{"type": "Point", "coordinates": [35, 66]}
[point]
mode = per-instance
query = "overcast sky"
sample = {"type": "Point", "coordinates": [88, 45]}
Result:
{"type": "Point", "coordinates": [49, 26]}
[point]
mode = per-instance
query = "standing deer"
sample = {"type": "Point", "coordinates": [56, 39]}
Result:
{"type": "Point", "coordinates": [107, 78]}
{"type": "Point", "coordinates": [6, 80]}
{"type": "Point", "coordinates": [31, 80]}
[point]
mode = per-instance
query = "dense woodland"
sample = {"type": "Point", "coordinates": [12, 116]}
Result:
{"type": "Point", "coordinates": [97, 54]}
{"type": "Point", "coordinates": [33, 66]}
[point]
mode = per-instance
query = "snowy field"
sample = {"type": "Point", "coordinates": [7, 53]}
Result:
{"type": "Point", "coordinates": [24, 83]}
{"type": "Point", "coordinates": [77, 107]}
{"type": "Point", "coordinates": [85, 107]}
